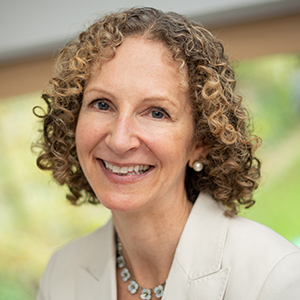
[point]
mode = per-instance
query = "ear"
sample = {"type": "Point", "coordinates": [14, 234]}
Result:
{"type": "Point", "coordinates": [198, 152]}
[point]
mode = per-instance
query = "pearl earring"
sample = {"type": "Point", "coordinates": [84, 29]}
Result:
{"type": "Point", "coordinates": [197, 166]}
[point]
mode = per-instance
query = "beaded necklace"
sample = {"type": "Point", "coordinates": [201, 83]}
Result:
{"type": "Point", "coordinates": [133, 286]}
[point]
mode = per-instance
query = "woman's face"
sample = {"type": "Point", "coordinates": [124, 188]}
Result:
{"type": "Point", "coordinates": [135, 128]}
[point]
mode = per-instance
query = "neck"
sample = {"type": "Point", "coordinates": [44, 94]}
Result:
{"type": "Point", "coordinates": [150, 237]}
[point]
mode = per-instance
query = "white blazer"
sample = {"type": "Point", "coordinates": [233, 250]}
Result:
{"type": "Point", "coordinates": [217, 258]}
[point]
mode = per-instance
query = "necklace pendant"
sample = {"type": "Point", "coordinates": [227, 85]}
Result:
{"type": "Point", "coordinates": [133, 287]}
{"type": "Point", "coordinates": [146, 294]}
{"type": "Point", "coordinates": [158, 291]}
{"type": "Point", "coordinates": [125, 274]}
{"type": "Point", "coordinates": [121, 261]}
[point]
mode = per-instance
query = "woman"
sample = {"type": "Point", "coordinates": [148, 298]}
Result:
{"type": "Point", "coordinates": [143, 118]}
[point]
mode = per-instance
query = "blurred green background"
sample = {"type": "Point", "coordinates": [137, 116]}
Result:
{"type": "Point", "coordinates": [36, 219]}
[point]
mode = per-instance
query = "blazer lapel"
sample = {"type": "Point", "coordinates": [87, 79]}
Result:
{"type": "Point", "coordinates": [101, 265]}
{"type": "Point", "coordinates": [210, 287]}
{"type": "Point", "coordinates": [196, 272]}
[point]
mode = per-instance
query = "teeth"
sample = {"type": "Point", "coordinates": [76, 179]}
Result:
{"type": "Point", "coordinates": [116, 169]}
{"type": "Point", "coordinates": [124, 170]}
{"type": "Point", "coordinates": [131, 170]}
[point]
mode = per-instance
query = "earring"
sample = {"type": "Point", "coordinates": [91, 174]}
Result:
{"type": "Point", "coordinates": [197, 166]}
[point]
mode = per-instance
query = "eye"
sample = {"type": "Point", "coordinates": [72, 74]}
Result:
{"type": "Point", "coordinates": [159, 113]}
{"type": "Point", "coordinates": [101, 105]}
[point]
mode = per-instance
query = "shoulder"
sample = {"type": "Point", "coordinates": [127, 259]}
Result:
{"type": "Point", "coordinates": [256, 239]}
{"type": "Point", "coordinates": [241, 234]}
{"type": "Point", "coordinates": [88, 245]}
{"type": "Point", "coordinates": [255, 255]}
{"type": "Point", "coordinates": [88, 253]}
{"type": "Point", "coordinates": [237, 232]}
{"type": "Point", "coordinates": [263, 257]}
{"type": "Point", "coordinates": [283, 281]}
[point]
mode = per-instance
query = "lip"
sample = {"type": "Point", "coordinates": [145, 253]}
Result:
{"type": "Point", "coordinates": [116, 178]}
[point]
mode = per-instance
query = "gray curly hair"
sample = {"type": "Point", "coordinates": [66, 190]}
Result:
{"type": "Point", "coordinates": [230, 171]}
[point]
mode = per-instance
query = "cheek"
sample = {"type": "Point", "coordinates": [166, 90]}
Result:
{"type": "Point", "coordinates": [172, 147]}
{"type": "Point", "coordinates": [85, 136]}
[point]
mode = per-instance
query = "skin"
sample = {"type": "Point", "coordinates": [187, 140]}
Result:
{"type": "Point", "coordinates": [135, 112]}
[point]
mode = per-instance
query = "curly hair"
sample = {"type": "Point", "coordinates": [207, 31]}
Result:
{"type": "Point", "coordinates": [231, 170]}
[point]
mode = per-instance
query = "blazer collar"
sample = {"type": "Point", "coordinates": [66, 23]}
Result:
{"type": "Point", "coordinates": [196, 271]}
{"type": "Point", "coordinates": [202, 242]}
{"type": "Point", "coordinates": [101, 264]}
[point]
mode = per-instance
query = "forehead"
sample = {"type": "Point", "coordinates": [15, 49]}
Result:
{"type": "Point", "coordinates": [142, 59]}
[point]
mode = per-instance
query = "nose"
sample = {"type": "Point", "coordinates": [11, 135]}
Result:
{"type": "Point", "coordinates": [122, 135]}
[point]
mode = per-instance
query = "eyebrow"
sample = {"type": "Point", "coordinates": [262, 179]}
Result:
{"type": "Point", "coordinates": [97, 90]}
{"type": "Point", "coordinates": [160, 98]}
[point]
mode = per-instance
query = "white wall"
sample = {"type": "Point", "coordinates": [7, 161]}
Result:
{"type": "Point", "coordinates": [36, 27]}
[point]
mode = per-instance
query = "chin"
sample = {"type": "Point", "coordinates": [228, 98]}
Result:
{"type": "Point", "coordinates": [120, 203]}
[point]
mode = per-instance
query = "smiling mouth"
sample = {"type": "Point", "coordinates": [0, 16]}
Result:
{"type": "Point", "coordinates": [129, 170]}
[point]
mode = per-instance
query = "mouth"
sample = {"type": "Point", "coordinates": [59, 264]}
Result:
{"type": "Point", "coordinates": [126, 171]}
